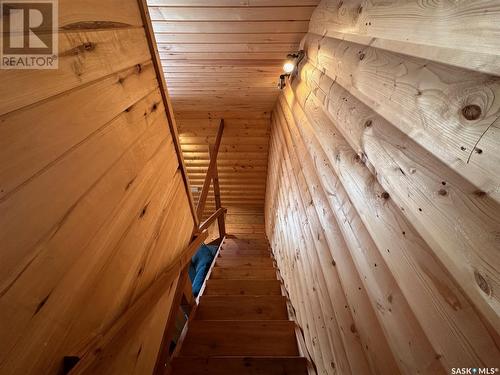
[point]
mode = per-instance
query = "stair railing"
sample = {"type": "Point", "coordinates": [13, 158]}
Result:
{"type": "Point", "coordinates": [96, 350]}
{"type": "Point", "coordinates": [212, 176]}
{"type": "Point", "coordinates": [183, 297]}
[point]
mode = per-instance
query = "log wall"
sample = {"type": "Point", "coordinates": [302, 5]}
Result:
{"type": "Point", "coordinates": [382, 200]}
{"type": "Point", "coordinates": [92, 197]}
{"type": "Point", "coordinates": [241, 160]}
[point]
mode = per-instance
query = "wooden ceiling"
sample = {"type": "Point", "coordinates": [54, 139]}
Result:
{"type": "Point", "coordinates": [223, 58]}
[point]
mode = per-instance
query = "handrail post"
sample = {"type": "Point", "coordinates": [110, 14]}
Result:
{"type": "Point", "coordinates": [200, 208]}
{"type": "Point", "coordinates": [221, 219]}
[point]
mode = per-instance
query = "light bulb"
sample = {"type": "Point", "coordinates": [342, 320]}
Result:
{"type": "Point", "coordinates": [288, 67]}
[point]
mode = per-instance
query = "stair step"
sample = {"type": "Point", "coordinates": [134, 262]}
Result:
{"type": "Point", "coordinates": [243, 273]}
{"type": "Point", "coordinates": [245, 245]}
{"type": "Point", "coordinates": [250, 253]}
{"type": "Point", "coordinates": [256, 236]}
{"type": "Point", "coordinates": [240, 365]}
{"type": "Point", "coordinates": [238, 261]}
{"type": "Point", "coordinates": [208, 338]}
{"type": "Point", "coordinates": [242, 308]}
{"type": "Point", "coordinates": [252, 249]}
{"type": "Point", "coordinates": [246, 239]}
{"type": "Point", "coordinates": [242, 287]}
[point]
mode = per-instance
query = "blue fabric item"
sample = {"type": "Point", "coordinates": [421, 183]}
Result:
{"type": "Point", "coordinates": [200, 264]}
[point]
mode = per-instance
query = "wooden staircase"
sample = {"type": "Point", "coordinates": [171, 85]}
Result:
{"type": "Point", "coordinates": [241, 324]}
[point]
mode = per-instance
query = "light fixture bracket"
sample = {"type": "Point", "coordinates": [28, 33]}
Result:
{"type": "Point", "coordinates": [296, 57]}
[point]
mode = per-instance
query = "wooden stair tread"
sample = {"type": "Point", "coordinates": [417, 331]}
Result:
{"type": "Point", "coordinates": [208, 338]}
{"type": "Point", "coordinates": [244, 261]}
{"type": "Point", "coordinates": [242, 308]}
{"type": "Point", "coordinates": [245, 249]}
{"type": "Point", "coordinates": [251, 253]}
{"type": "Point", "coordinates": [240, 365]}
{"type": "Point", "coordinates": [244, 256]}
{"type": "Point", "coordinates": [243, 240]}
{"type": "Point", "coordinates": [241, 324]}
{"type": "Point", "coordinates": [261, 273]}
{"type": "Point", "coordinates": [231, 287]}
{"type": "Point", "coordinates": [228, 244]}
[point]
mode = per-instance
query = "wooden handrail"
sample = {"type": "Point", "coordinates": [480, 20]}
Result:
{"type": "Point", "coordinates": [140, 309]}
{"type": "Point", "coordinates": [164, 350]}
{"type": "Point", "coordinates": [192, 314]}
{"type": "Point", "coordinates": [216, 215]}
{"type": "Point", "coordinates": [200, 208]}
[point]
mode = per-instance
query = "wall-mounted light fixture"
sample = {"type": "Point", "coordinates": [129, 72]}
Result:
{"type": "Point", "coordinates": [290, 67]}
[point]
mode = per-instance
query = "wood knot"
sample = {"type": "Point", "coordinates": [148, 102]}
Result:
{"type": "Point", "coordinates": [89, 46]}
{"type": "Point", "coordinates": [130, 184]}
{"type": "Point", "coordinates": [442, 192]}
{"type": "Point", "coordinates": [478, 150]}
{"type": "Point", "coordinates": [480, 280]}
{"type": "Point", "coordinates": [471, 112]}
{"type": "Point", "coordinates": [480, 193]}
{"type": "Point", "coordinates": [361, 56]}
{"type": "Point", "coordinates": [360, 9]}
{"type": "Point", "coordinates": [385, 195]}
{"type": "Point", "coordinates": [368, 123]}
{"type": "Point", "coordinates": [144, 210]}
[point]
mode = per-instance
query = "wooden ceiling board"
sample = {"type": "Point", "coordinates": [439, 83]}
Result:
{"type": "Point", "coordinates": [222, 59]}
{"type": "Point", "coordinates": [229, 38]}
{"type": "Point", "coordinates": [232, 3]}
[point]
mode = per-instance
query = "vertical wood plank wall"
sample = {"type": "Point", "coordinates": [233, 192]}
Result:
{"type": "Point", "coordinates": [382, 201]}
{"type": "Point", "coordinates": [92, 200]}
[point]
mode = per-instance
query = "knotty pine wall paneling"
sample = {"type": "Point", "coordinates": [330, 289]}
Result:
{"type": "Point", "coordinates": [93, 202]}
